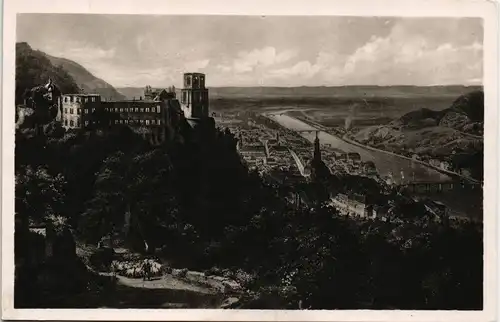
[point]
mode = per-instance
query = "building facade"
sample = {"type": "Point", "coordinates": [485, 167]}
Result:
{"type": "Point", "coordinates": [156, 115]}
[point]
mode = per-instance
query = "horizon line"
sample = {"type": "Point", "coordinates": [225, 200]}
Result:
{"type": "Point", "coordinates": [312, 86]}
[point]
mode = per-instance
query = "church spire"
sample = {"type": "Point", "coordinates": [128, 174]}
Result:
{"type": "Point", "coordinates": [317, 151]}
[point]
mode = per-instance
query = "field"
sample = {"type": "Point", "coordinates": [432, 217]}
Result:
{"type": "Point", "coordinates": [333, 111]}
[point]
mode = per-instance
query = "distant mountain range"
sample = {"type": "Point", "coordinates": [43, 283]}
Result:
{"type": "Point", "coordinates": [34, 67]}
{"type": "Point", "coordinates": [324, 91]}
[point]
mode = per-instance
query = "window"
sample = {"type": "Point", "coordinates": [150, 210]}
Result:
{"type": "Point", "coordinates": [70, 111]}
{"type": "Point", "coordinates": [126, 121]}
{"type": "Point", "coordinates": [78, 123]}
{"type": "Point", "coordinates": [121, 110]}
{"type": "Point", "coordinates": [147, 109]}
{"type": "Point", "coordinates": [93, 99]}
{"type": "Point", "coordinates": [71, 99]}
{"type": "Point", "coordinates": [142, 110]}
{"type": "Point", "coordinates": [66, 98]}
{"type": "Point", "coordinates": [93, 109]}
{"type": "Point", "coordinates": [66, 110]}
{"type": "Point", "coordinates": [142, 121]}
{"type": "Point", "coordinates": [86, 123]}
{"type": "Point", "coordinates": [136, 109]}
{"type": "Point", "coordinates": [77, 99]}
{"type": "Point", "coordinates": [158, 109]}
{"type": "Point", "coordinates": [66, 122]}
{"type": "Point", "coordinates": [147, 122]}
{"type": "Point", "coordinates": [79, 111]}
{"type": "Point", "coordinates": [71, 123]}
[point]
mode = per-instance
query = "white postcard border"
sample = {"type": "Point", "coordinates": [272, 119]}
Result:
{"type": "Point", "coordinates": [416, 8]}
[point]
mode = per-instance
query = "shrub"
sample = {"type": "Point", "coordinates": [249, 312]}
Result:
{"type": "Point", "coordinates": [213, 271]}
{"type": "Point", "coordinates": [167, 269]}
{"type": "Point", "coordinates": [183, 272]}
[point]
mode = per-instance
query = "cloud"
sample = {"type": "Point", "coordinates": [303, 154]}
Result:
{"type": "Point", "coordinates": [406, 57]}
{"type": "Point", "coordinates": [248, 61]}
{"type": "Point", "coordinates": [196, 65]}
{"type": "Point", "coordinates": [319, 70]}
{"type": "Point", "coordinates": [277, 51]}
{"type": "Point", "coordinates": [80, 52]}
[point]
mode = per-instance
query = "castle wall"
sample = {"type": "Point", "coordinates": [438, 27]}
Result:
{"type": "Point", "coordinates": [156, 119]}
{"type": "Point", "coordinates": [76, 109]}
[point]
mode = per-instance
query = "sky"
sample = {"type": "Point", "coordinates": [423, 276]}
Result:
{"type": "Point", "coordinates": [139, 50]}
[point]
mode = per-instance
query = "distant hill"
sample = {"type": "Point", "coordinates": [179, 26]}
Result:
{"type": "Point", "coordinates": [34, 67]}
{"type": "Point", "coordinates": [454, 134]}
{"type": "Point", "coordinates": [131, 92]}
{"type": "Point", "coordinates": [341, 91]}
{"type": "Point", "coordinates": [88, 82]}
{"type": "Point", "coordinates": [465, 114]}
{"type": "Point", "coordinates": [324, 92]}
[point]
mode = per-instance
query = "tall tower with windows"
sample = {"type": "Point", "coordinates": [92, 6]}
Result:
{"type": "Point", "coordinates": [194, 96]}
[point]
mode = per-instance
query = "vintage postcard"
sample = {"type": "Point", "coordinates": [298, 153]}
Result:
{"type": "Point", "coordinates": [252, 161]}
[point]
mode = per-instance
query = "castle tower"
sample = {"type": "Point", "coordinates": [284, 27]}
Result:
{"type": "Point", "coordinates": [194, 96]}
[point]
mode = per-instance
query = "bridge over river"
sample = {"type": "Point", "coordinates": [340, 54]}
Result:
{"type": "Point", "coordinates": [462, 202]}
{"type": "Point", "coordinates": [387, 165]}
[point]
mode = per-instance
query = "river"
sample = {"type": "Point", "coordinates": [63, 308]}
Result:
{"type": "Point", "coordinates": [387, 164]}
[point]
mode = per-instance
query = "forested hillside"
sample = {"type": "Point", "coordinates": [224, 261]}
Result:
{"type": "Point", "coordinates": [34, 67]}
{"type": "Point", "coordinates": [85, 80]}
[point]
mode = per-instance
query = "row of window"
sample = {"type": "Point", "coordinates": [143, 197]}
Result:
{"type": "Point", "coordinates": [79, 110]}
{"type": "Point", "coordinates": [146, 122]}
{"type": "Point", "coordinates": [72, 123]}
{"type": "Point", "coordinates": [120, 110]}
{"type": "Point", "coordinates": [134, 109]}
{"type": "Point", "coordinates": [79, 99]}
{"type": "Point", "coordinates": [143, 122]}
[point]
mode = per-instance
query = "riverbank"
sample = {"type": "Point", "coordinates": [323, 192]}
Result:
{"type": "Point", "coordinates": [450, 173]}
{"type": "Point", "coordinates": [346, 139]}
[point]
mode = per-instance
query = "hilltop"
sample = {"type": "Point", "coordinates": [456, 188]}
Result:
{"type": "Point", "coordinates": [466, 114]}
{"type": "Point", "coordinates": [454, 134]}
{"type": "Point", "coordinates": [34, 67]}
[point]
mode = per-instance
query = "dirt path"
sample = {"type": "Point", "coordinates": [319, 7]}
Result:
{"type": "Point", "coordinates": [164, 282]}
{"type": "Point", "coordinates": [164, 292]}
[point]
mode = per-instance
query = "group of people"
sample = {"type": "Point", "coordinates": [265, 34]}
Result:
{"type": "Point", "coordinates": [147, 269]}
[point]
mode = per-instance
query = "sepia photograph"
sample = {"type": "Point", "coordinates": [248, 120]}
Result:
{"type": "Point", "coordinates": [248, 162]}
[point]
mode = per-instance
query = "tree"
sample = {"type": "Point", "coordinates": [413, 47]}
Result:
{"type": "Point", "coordinates": [38, 193]}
